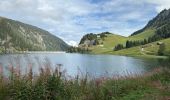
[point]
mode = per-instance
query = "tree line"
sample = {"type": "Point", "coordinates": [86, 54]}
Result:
{"type": "Point", "coordinates": [161, 33]}
{"type": "Point", "coordinates": [92, 36]}
{"type": "Point", "coordinates": [78, 50]}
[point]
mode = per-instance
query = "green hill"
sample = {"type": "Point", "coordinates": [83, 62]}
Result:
{"type": "Point", "coordinates": [18, 36]}
{"type": "Point", "coordinates": [143, 35]}
{"type": "Point", "coordinates": [150, 49]}
{"type": "Point", "coordinates": [106, 42]}
{"type": "Point", "coordinates": [160, 26]}
{"type": "Point", "coordinates": [158, 22]}
{"type": "Point", "coordinates": [157, 29]}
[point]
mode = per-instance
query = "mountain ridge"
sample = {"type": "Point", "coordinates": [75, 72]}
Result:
{"type": "Point", "coordinates": [161, 19]}
{"type": "Point", "coordinates": [156, 31]}
{"type": "Point", "coordinates": [19, 36]}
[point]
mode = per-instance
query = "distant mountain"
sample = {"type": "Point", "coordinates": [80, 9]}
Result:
{"type": "Point", "coordinates": [16, 36]}
{"type": "Point", "coordinates": [161, 21]}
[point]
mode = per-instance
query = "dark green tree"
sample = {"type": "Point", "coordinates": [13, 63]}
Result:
{"type": "Point", "coordinates": [161, 49]}
{"type": "Point", "coordinates": [118, 47]}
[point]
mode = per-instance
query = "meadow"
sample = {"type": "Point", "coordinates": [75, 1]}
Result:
{"type": "Point", "coordinates": [150, 49]}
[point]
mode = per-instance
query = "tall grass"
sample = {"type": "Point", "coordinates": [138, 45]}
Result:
{"type": "Point", "coordinates": [51, 84]}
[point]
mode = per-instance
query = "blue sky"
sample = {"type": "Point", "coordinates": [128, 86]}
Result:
{"type": "Point", "coordinates": [71, 19]}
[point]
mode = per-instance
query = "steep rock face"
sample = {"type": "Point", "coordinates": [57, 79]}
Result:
{"type": "Point", "coordinates": [161, 20]}
{"type": "Point", "coordinates": [21, 36]}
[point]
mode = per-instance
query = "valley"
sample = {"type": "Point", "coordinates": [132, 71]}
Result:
{"type": "Point", "coordinates": [85, 50]}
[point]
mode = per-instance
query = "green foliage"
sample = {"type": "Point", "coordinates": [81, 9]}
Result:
{"type": "Point", "coordinates": [90, 36]}
{"type": "Point", "coordinates": [78, 50]}
{"type": "Point", "coordinates": [54, 86]}
{"type": "Point", "coordinates": [156, 30]}
{"type": "Point", "coordinates": [161, 49]}
{"type": "Point", "coordinates": [118, 47]}
{"type": "Point", "coordinates": [103, 35]}
{"type": "Point", "coordinates": [162, 33]}
{"type": "Point", "coordinates": [161, 26]}
{"type": "Point", "coordinates": [23, 37]}
{"type": "Point", "coordinates": [159, 21]}
{"type": "Point", "coordinates": [130, 44]}
{"type": "Point", "coordinates": [149, 50]}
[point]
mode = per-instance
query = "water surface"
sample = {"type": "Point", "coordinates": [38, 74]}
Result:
{"type": "Point", "coordinates": [94, 65]}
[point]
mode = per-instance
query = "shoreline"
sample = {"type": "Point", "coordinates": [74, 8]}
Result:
{"type": "Point", "coordinates": [138, 56]}
{"type": "Point", "coordinates": [55, 86]}
{"type": "Point", "coordinates": [53, 52]}
{"type": "Point", "coordinates": [45, 52]}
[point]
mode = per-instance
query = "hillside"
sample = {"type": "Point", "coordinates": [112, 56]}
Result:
{"type": "Point", "coordinates": [157, 29]}
{"type": "Point", "coordinates": [106, 42]}
{"type": "Point", "coordinates": [150, 49]}
{"type": "Point", "coordinates": [154, 26]}
{"type": "Point", "coordinates": [143, 35]}
{"type": "Point", "coordinates": [18, 36]}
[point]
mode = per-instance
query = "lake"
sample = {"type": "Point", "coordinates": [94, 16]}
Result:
{"type": "Point", "coordinates": [94, 65]}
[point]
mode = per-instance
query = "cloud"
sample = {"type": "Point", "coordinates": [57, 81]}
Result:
{"type": "Point", "coordinates": [160, 4]}
{"type": "Point", "coordinates": [72, 43]}
{"type": "Point", "coordinates": [71, 19]}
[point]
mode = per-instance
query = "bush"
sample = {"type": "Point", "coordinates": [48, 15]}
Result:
{"type": "Point", "coordinates": [53, 85]}
{"type": "Point", "coordinates": [161, 49]}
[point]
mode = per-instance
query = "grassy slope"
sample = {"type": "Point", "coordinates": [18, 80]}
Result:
{"type": "Point", "coordinates": [150, 49]}
{"type": "Point", "coordinates": [147, 33]}
{"type": "Point", "coordinates": [112, 40]}
{"type": "Point", "coordinates": [109, 42]}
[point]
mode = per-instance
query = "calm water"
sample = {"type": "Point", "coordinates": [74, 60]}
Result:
{"type": "Point", "coordinates": [94, 65]}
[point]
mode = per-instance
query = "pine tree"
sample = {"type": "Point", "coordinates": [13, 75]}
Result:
{"type": "Point", "coordinates": [161, 49]}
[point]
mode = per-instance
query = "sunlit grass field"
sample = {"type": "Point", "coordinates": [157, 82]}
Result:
{"type": "Point", "coordinates": [112, 40]}
{"type": "Point", "coordinates": [143, 35]}
{"type": "Point", "coordinates": [150, 50]}
{"type": "Point", "coordinates": [108, 43]}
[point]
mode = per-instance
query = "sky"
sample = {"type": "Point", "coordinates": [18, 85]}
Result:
{"type": "Point", "coordinates": [71, 19]}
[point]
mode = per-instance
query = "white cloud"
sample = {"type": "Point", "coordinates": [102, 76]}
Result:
{"type": "Point", "coordinates": [160, 4]}
{"type": "Point", "coordinates": [71, 19]}
{"type": "Point", "coordinates": [72, 43]}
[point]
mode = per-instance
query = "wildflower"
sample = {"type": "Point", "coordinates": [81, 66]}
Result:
{"type": "Point", "coordinates": [1, 69]}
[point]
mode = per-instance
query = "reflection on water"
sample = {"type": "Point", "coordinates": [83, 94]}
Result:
{"type": "Point", "coordinates": [94, 65]}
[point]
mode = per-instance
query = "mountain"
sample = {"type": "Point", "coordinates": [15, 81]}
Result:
{"type": "Point", "coordinates": [156, 31]}
{"type": "Point", "coordinates": [161, 21]}
{"type": "Point", "coordinates": [17, 36]}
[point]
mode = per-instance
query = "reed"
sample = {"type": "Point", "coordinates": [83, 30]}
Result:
{"type": "Point", "coordinates": [51, 84]}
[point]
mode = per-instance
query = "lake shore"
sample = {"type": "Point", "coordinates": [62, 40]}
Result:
{"type": "Point", "coordinates": [54, 86]}
{"type": "Point", "coordinates": [53, 83]}
{"type": "Point", "coordinates": [129, 55]}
